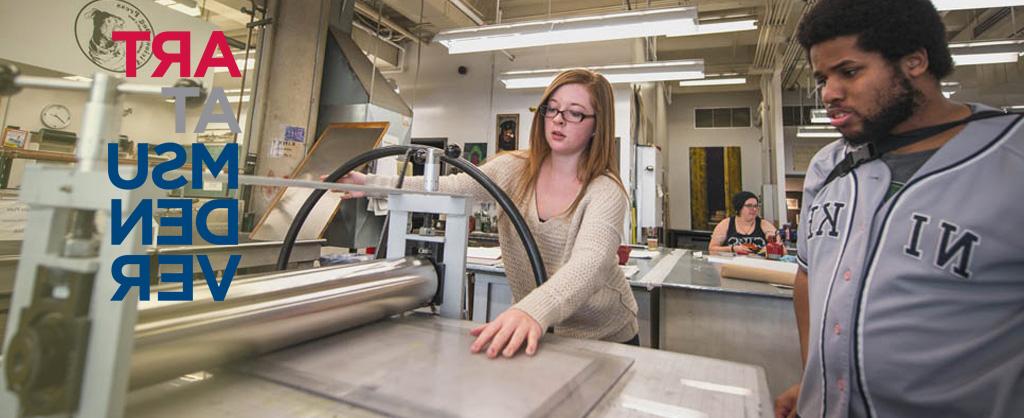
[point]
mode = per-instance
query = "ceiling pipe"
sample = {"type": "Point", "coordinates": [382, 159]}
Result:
{"type": "Point", "coordinates": [368, 11]}
{"type": "Point", "coordinates": [468, 11]}
{"type": "Point", "coordinates": [472, 15]}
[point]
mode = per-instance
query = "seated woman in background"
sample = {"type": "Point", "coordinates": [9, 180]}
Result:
{"type": "Point", "coordinates": [737, 234]}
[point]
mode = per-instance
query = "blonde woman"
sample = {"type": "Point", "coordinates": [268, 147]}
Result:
{"type": "Point", "coordinates": [567, 188]}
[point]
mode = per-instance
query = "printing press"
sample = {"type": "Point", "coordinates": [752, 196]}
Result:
{"type": "Point", "coordinates": [386, 337]}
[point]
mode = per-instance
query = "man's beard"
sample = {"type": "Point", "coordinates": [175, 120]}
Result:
{"type": "Point", "coordinates": [893, 110]}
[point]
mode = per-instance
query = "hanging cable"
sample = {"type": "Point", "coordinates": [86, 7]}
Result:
{"type": "Point", "coordinates": [376, 52]}
{"type": "Point", "coordinates": [245, 72]}
{"type": "Point", "coordinates": [499, 195]}
{"type": "Point", "coordinates": [419, 51]}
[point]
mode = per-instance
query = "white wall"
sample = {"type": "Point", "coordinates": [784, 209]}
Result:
{"type": "Point", "coordinates": [791, 142]}
{"type": "Point", "coordinates": [42, 33]}
{"type": "Point", "coordinates": [463, 108]}
{"type": "Point", "coordinates": [683, 136]}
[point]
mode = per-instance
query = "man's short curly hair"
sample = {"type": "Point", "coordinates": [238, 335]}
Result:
{"type": "Point", "coordinates": [892, 28]}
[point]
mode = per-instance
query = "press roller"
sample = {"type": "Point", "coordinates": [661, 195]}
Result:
{"type": "Point", "coordinates": [268, 312]}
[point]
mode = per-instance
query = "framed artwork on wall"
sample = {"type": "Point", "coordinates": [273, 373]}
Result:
{"type": "Point", "coordinates": [792, 203]}
{"type": "Point", "coordinates": [15, 138]}
{"type": "Point", "coordinates": [475, 152]}
{"type": "Point", "coordinates": [507, 127]}
{"type": "Point", "coordinates": [715, 176]}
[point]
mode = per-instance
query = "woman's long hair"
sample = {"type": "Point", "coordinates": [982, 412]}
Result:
{"type": "Point", "coordinates": [598, 158]}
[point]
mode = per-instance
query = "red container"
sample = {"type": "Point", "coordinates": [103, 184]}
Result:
{"type": "Point", "coordinates": [775, 250]}
{"type": "Point", "coordinates": [624, 254]}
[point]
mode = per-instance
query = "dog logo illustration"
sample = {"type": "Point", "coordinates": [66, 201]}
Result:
{"type": "Point", "coordinates": [94, 29]}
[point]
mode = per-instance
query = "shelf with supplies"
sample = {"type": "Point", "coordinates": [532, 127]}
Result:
{"type": "Point", "coordinates": [9, 157]}
{"type": "Point", "coordinates": [67, 157]}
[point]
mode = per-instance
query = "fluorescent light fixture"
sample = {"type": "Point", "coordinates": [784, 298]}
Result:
{"type": "Point", "coordinates": [979, 59]}
{"type": "Point", "coordinates": [1015, 108]}
{"type": "Point", "coordinates": [949, 88]}
{"type": "Point", "coordinates": [191, 11]}
{"type": "Point", "coordinates": [713, 82]}
{"type": "Point", "coordinates": [942, 5]}
{"type": "Point", "coordinates": [988, 52]}
{"type": "Point", "coordinates": [625, 25]}
{"type": "Point", "coordinates": [188, 7]}
{"type": "Point", "coordinates": [979, 44]}
{"type": "Point", "coordinates": [819, 116]}
{"type": "Point", "coordinates": [721, 27]}
{"type": "Point", "coordinates": [817, 132]}
{"type": "Point", "coordinates": [77, 78]}
{"type": "Point", "coordinates": [231, 94]}
{"type": "Point", "coordinates": [241, 52]}
{"type": "Point", "coordinates": [249, 64]}
{"type": "Point", "coordinates": [625, 73]}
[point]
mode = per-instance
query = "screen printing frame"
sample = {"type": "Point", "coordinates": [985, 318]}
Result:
{"type": "Point", "coordinates": [330, 150]}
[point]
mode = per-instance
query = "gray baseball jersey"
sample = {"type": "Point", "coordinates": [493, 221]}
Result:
{"type": "Point", "coordinates": [917, 302]}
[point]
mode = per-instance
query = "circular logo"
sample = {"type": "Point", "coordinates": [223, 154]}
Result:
{"type": "Point", "coordinates": [94, 29]}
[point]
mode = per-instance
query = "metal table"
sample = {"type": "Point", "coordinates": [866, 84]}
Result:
{"type": "Point", "coordinates": [420, 365]}
{"type": "Point", "coordinates": [705, 314]}
{"type": "Point", "coordinates": [492, 295]}
{"type": "Point", "coordinates": [689, 272]}
{"type": "Point", "coordinates": [687, 307]}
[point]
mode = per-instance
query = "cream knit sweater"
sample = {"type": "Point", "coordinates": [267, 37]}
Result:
{"type": "Point", "coordinates": [585, 295]}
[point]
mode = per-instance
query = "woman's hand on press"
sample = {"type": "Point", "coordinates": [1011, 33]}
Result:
{"type": "Point", "coordinates": [506, 334]}
{"type": "Point", "coordinates": [785, 404]}
{"type": "Point", "coordinates": [356, 178]}
{"type": "Point", "coordinates": [741, 249]}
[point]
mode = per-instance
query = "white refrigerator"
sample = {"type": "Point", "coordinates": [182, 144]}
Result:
{"type": "Point", "coordinates": [648, 190]}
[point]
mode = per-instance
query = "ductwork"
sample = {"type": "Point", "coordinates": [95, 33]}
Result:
{"type": "Point", "coordinates": [353, 90]}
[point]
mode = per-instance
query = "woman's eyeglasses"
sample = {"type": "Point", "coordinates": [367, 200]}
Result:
{"type": "Point", "coordinates": [753, 206]}
{"type": "Point", "coordinates": [569, 115]}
